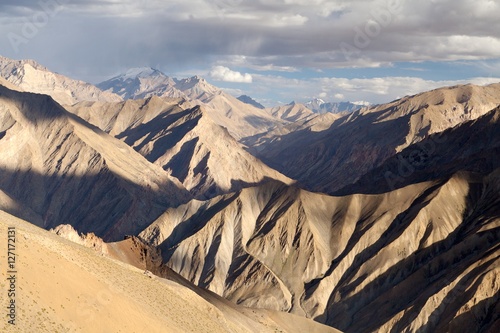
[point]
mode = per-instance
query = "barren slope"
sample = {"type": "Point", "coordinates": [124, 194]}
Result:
{"type": "Point", "coordinates": [291, 112]}
{"type": "Point", "coordinates": [329, 160]}
{"type": "Point", "coordinates": [58, 169]}
{"type": "Point", "coordinates": [183, 141]}
{"type": "Point", "coordinates": [32, 77]}
{"type": "Point", "coordinates": [473, 145]}
{"type": "Point", "coordinates": [65, 287]}
{"type": "Point", "coordinates": [423, 257]}
{"type": "Point", "coordinates": [239, 118]}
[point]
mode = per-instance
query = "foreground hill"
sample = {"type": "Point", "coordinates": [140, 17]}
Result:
{"type": "Point", "coordinates": [32, 77]}
{"type": "Point", "coordinates": [421, 258]}
{"type": "Point", "coordinates": [329, 160]}
{"type": "Point", "coordinates": [65, 287]}
{"type": "Point", "coordinates": [55, 168]}
{"type": "Point", "coordinates": [183, 140]}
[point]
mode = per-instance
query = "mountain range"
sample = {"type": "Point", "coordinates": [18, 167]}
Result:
{"type": "Point", "coordinates": [183, 140]}
{"type": "Point", "coordinates": [240, 118]}
{"type": "Point", "coordinates": [320, 106]}
{"type": "Point", "coordinates": [331, 159]}
{"type": "Point", "coordinates": [385, 218]}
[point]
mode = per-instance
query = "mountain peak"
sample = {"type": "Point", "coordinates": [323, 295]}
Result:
{"type": "Point", "coordinates": [140, 82]}
{"type": "Point", "coordinates": [191, 81]}
{"type": "Point", "coordinates": [141, 72]}
{"type": "Point", "coordinates": [4, 61]}
{"type": "Point", "coordinates": [316, 101]}
{"type": "Point", "coordinates": [30, 76]}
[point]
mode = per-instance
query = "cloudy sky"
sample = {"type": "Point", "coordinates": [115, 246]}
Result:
{"type": "Point", "coordinates": [274, 50]}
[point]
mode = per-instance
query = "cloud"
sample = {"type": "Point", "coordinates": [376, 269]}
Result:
{"type": "Point", "coordinates": [93, 40]}
{"type": "Point", "coordinates": [221, 73]}
{"type": "Point", "coordinates": [288, 33]}
{"type": "Point", "coordinates": [373, 90]}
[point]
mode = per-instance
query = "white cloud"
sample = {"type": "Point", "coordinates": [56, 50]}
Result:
{"type": "Point", "coordinates": [221, 73]}
{"type": "Point", "coordinates": [372, 90]}
{"type": "Point", "coordinates": [286, 21]}
{"type": "Point", "coordinates": [289, 36]}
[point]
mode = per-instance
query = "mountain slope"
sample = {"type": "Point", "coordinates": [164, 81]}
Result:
{"type": "Point", "coordinates": [32, 77]}
{"type": "Point", "coordinates": [472, 145]}
{"type": "Point", "coordinates": [422, 257]}
{"type": "Point", "coordinates": [66, 287]}
{"type": "Point", "coordinates": [329, 160]}
{"type": "Point", "coordinates": [295, 133]}
{"type": "Point", "coordinates": [249, 100]}
{"type": "Point", "coordinates": [338, 259]}
{"type": "Point", "coordinates": [183, 141]}
{"type": "Point", "coordinates": [59, 169]}
{"type": "Point", "coordinates": [291, 112]}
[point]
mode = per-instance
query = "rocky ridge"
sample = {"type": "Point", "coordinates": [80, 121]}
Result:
{"type": "Point", "coordinates": [184, 141]}
{"type": "Point", "coordinates": [33, 77]}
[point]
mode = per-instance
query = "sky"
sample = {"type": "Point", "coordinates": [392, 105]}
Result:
{"type": "Point", "coordinates": [276, 51]}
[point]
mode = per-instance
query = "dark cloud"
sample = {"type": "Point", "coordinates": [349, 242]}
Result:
{"type": "Point", "coordinates": [95, 39]}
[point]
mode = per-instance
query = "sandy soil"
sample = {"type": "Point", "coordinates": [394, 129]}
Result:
{"type": "Point", "coordinates": [65, 287]}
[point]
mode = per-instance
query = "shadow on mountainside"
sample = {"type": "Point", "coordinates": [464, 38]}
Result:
{"type": "Point", "coordinates": [331, 159]}
{"type": "Point", "coordinates": [467, 254]}
{"type": "Point", "coordinates": [472, 146]}
{"type": "Point", "coordinates": [103, 203]}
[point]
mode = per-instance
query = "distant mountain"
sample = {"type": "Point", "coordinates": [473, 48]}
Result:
{"type": "Point", "coordinates": [240, 119]}
{"type": "Point", "coordinates": [319, 106]}
{"type": "Point", "coordinates": [473, 146]}
{"type": "Point", "coordinates": [140, 83]}
{"type": "Point", "coordinates": [184, 141]}
{"type": "Point", "coordinates": [249, 100]}
{"type": "Point", "coordinates": [32, 77]}
{"type": "Point", "coordinates": [328, 160]}
{"type": "Point", "coordinates": [55, 168]}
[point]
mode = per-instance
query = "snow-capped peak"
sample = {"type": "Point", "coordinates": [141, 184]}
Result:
{"type": "Point", "coordinates": [317, 101]}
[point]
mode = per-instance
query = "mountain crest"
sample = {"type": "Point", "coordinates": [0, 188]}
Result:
{"type": "Point", "coordinates": [30, 76]}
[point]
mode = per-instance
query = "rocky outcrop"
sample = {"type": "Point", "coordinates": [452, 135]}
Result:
{"type": "Point", "coordinates": [89, 240]}
{"type": "Point", "coordinates": [69, 288]}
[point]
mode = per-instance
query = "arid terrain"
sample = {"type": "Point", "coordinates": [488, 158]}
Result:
{"type": "Point", "coordinates": [175, 207]}
{"type": "Point", "coordinates": [66, 287]}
